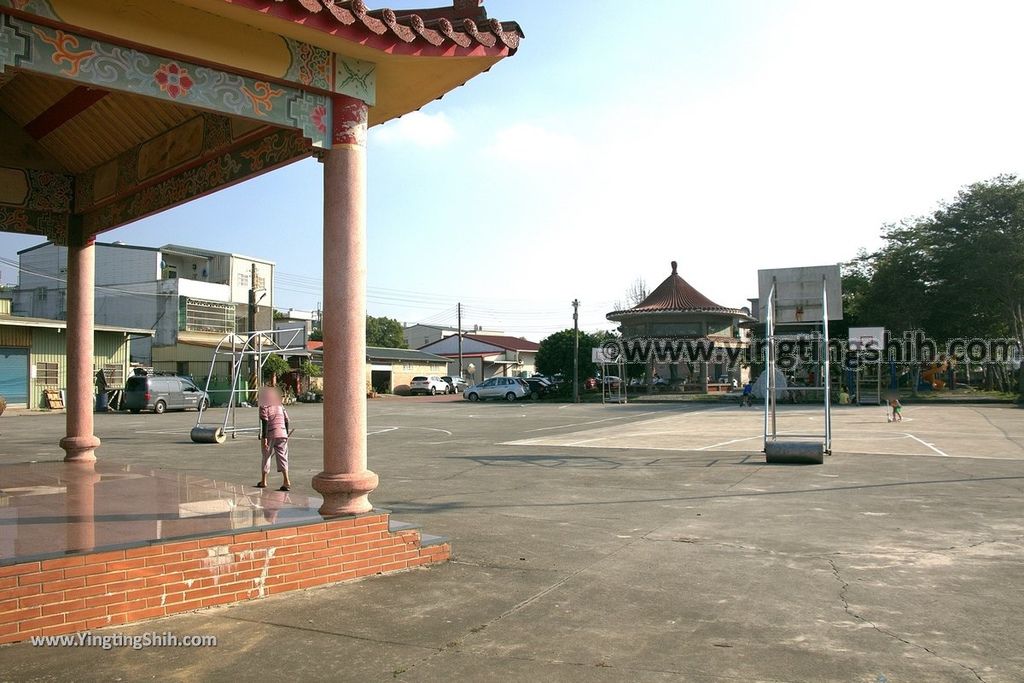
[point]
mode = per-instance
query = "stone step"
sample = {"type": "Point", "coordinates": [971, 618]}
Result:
{"type": "Point", "coordinates": [394, 526]}
{"type": "Point", "coordinates": [427, 540]}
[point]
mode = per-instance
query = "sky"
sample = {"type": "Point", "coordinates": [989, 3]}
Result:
{"type": "Point", "coordinates": [727, 135]}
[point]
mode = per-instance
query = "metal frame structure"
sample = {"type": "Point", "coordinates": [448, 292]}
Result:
{"type": "Point", "coordinates": [252, 352]}
{"type": "Point", "coordinates": [620, 396]}
{"type": "Point", "coordinates": [771, 433]}
{"type": "Point", "coordinates": [868, 376]}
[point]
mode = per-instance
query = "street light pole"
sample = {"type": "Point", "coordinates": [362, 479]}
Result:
{"type": "Point", "coordinates": [576, 351]}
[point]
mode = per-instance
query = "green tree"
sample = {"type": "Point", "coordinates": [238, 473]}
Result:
{"type": "Point", "coordinates": [555, 353]}
{"type": "Point", "coordinates": [958, 272]}
{"type": "Point", "coordinates": [274, 367]}
{"type": "Point", "coordinates": [386, 332]}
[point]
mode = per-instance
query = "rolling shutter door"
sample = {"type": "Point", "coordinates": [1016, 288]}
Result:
{"type": "Point", "coordinates": [14, 375]}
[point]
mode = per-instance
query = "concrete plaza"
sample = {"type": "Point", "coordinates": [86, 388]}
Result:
{"type": "Point", "coordinates": [607, 543]}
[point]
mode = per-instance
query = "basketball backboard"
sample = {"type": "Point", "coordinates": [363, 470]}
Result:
{"type": "Point", "coordinates": [867, 338]}
{"type": "Point", "coordinates": [798, 294]}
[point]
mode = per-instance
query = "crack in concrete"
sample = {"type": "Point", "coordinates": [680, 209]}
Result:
{"type": "Point", "coordinates": [691, 540]}
{"type": "Point", "coordinates": [326, 632]}
{"type": "Point", "coordinates": [611, 667]}
{"type": "Point", "coordinates": [844, 589]}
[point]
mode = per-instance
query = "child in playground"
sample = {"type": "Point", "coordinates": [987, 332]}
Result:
{"type": "Point", "coordinates": [273, 435]}
{"type": "Point", "coordinates": [897, 410]}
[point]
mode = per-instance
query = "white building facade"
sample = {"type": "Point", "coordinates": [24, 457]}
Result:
{"type": "Point", "coordinates": [184, 294]}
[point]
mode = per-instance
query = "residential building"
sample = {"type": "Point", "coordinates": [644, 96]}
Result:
{"type": "Point", "coordinates": [419, 335]}
{"type": "Point", "coordinates": [189, 297]}
{"type": "Point", "coordinates": [389, 371]}
{"type": "Point", "coordinates": [293, 319]}
{"type": "Point", "coordinates": [487, 355]}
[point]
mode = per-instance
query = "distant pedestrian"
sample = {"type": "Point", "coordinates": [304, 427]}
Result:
{"type": "Point", "coordinates": [273, 435]}
{"type": "Point", "coordinates": [748, 394]}
{"type": "Point", "coordinates": [897, 410]}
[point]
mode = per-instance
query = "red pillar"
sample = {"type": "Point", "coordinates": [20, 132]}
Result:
{"type": "Point", "coordinates": [80, 443]}
{"type": "Point", "coordinates": [345, 482]}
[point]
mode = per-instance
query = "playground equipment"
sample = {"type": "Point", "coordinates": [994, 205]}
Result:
{"type": "Point", "coordinates": [244, 354]}
{"type": "Point", "coordinates": [932, 374]}
{"type": "Point", "coordinates": [808, 298]}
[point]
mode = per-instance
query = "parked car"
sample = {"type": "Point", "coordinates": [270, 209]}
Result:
{"type": "Point", "coordinates": [161, 393]}
{"type": "Point", "coordinates": [508, 388]}
{"type": "Point", "coordinates": [456, 384]}
{"type": "Point", "coordinates": [433, 384]}
{"type": "Point", "coordinates": [540, 387]}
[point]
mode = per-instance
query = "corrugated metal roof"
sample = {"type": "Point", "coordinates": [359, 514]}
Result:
{"type": "Point", "coordinates": [382, 353]}
{"type": "Point", "coordinates": [24, 321]}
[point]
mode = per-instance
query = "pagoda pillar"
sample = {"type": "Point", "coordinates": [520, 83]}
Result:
{"type": "Point", "coordinates": [345, 483]}
{"type": "Point", "coordinates": [80, 443]}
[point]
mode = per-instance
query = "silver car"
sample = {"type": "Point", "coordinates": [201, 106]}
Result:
{"type": "Point", "coordinates": [508, 388]}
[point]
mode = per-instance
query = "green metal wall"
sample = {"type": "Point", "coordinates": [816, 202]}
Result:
{"type": "Point", "coordinates": [48, 346]}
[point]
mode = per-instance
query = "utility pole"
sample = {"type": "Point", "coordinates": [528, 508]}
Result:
{"type": "Point", "coordinates": [253, 361]}
{"type": "Point", "coordinates": [576, 351]}
{"type": "Point", "coordinates": [459, 307]}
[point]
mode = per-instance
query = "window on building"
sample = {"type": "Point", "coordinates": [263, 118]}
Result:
{"type": "Point", "coordinates": [243, 279]}
{"type": "Point", "coordinates": [41, 293]}
{"type": "Point", "coordinates": [48, 374]}
{"type": "Point", "coordinates": [196, 315]}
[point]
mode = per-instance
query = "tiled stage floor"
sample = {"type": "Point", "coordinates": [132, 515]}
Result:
{"type": "Point", "coordinates": [49, 509]}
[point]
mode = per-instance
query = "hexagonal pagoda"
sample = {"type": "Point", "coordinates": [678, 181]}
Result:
{"type": "Point", "coordinates": [675, 311]}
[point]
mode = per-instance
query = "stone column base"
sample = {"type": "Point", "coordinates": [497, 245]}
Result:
{"type": "Point", "coordinates": [345, 493]}
{"type": "Point", "coordinates": [80, 448]}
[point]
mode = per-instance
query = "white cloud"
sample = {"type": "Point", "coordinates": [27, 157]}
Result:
{"type": "Point", "coordinates": [528, 143]}
{"type": "Point", "coordinates": [418, 128]}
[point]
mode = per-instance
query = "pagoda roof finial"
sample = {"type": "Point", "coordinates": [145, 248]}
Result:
{"type": "Point", "coordinates": [675, 268]}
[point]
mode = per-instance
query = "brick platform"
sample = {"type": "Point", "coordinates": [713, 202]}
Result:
{"type": "Point", "coordinates": [93, 590]}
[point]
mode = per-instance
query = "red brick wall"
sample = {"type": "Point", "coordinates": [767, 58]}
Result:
{"type": "Point", "coordinates": [81, 592]}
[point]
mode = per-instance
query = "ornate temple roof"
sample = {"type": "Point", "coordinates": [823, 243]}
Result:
{"type": "Point", "coordinates": [465, 25]}
{"type": "Point", "coordinates": [675, 295]}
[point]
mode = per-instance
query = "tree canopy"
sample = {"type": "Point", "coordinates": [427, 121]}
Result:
{"type": "Point", "coordinates": [386, 332]}
{"type": "Point", "coordinates": [956, 273]}
{"type": "Point", "coordinates": [555, 353]}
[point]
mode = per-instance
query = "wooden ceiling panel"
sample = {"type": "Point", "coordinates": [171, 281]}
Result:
{"type": "Point", "coordinates": [28, 96]}
{"type": "Point", "coordinates": [111, 126]}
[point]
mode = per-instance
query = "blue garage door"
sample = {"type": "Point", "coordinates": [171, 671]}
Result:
{"type": "Point", "coordinates": [14, 375]}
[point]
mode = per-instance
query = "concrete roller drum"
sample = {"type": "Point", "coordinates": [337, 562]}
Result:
{"type": "Point", "coordinates": [794, 452]}
{"type": "Point", "coordinates": [212, 434]}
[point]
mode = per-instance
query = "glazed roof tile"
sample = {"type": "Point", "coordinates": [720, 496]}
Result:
{"type": "Point", "coordinates": [676, 295]}
{"type": "Point", "coordinates": [464, 24]}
